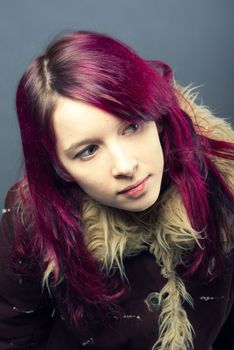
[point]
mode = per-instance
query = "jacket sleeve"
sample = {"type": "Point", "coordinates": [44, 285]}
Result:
{"type": "Point", "coordinates": [225, 338]}
{"type": "Point", "coordinates": [25, 311]}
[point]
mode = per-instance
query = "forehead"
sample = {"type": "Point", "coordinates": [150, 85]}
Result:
{"type": "Point", "coordinates": [74, 120]}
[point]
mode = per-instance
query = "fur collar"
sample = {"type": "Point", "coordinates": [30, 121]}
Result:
{"type": "Point", "coordinates": [110, 242]}
{"type": "Point", "coordinates": [110, 237]}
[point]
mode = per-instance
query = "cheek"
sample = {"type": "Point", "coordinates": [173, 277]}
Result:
{"type": "Point", "coordinates": [151, 150]}
{"type": "Point", "coordinates": [157, 160]}
{"type": "Point", "coordinates": [91, 184]}
{"type": "Point", "coordinates": [89, 176]}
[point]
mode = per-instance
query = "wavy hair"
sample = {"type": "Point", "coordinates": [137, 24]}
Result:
{"type": "Point", "coordinates": [104, 72]}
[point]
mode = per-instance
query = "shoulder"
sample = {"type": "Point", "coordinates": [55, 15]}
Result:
{"type": "Point", "coordinates": [25, 307]}
{"type": "Point", "coordinates": [10, 199]}
{"type": "Point", "coordinates": [204, 120]}
{"type": "Point", "coordinates": [215, 129]}
{"type": "Point", "coordinates": [14, 261]}
{"type": "Point", "coordinates": [7, 219]}
{"type": "Point", "coordinates": [12, 212]}
{"type": "Point", "coordinates": [211, 127]}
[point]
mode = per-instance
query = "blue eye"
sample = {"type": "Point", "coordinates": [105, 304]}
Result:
{"type": "Point", "coordinates": [88, 151]}
{"type": "Point", "coordinates": [133, 127]}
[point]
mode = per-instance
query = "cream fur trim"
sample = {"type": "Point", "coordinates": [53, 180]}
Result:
{"type": "Point", "coordinates": [110, 235]}
{"type": "Point", "coordinates": [209, 125]}
{"type": "Point", "coordinates": [175, 330]}
{"type": "Point", "coordinates": [168, 237]}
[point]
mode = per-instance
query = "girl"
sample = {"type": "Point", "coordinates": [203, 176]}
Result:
{"type": "Point", "coordinates": [120, 233]}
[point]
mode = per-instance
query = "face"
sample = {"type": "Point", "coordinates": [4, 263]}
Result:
{"type": "Point", "coordinates": [116, 162]}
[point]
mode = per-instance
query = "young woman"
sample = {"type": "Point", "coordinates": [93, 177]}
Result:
{"type": "Point", "coordinates": [120, 233]}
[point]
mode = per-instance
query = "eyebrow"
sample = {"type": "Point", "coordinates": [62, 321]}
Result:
{"type": "Point", "coordinates": [74, 145]}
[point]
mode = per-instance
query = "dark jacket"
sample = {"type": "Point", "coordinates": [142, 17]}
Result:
{"type": "Point", "coordinates": [31, 319]}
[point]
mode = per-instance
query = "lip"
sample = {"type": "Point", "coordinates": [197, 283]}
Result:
{"type": "Point", "coordinates": [126, 189]}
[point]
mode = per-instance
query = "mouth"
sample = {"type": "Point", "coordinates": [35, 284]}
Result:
{"type": "Point", "coordinates": [138, 186]}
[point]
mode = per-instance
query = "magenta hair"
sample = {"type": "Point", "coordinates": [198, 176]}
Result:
{"type": "Point", "coordinates": [106, 73]}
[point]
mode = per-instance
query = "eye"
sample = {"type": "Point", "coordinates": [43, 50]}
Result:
{"type": "Point", "coordinates": [88, 151]}
{"type": "Point", "coordinates": [132, 128]}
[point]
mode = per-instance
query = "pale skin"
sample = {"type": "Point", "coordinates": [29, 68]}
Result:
{"type": "Point", "coordinates": [114, 154]}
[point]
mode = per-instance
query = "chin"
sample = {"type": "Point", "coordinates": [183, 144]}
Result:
{"type": "Point", "coordinates": [141, 209]}
{"type": "Point", "coordinates": [142, 206]}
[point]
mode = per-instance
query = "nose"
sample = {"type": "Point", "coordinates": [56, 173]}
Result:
{"type": "Point", "coordinates": [124, 165]}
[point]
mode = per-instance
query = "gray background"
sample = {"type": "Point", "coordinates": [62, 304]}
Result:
{"type": "Point", "coordinates": [194, 36]}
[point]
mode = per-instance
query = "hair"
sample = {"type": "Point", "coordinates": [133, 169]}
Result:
{"type": "Point", "coordinates": [67, 225]}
